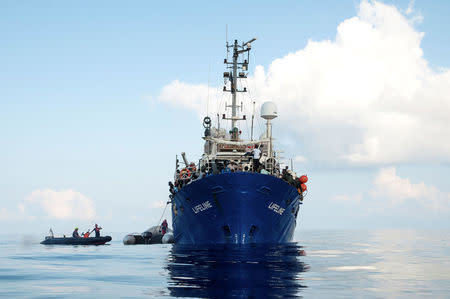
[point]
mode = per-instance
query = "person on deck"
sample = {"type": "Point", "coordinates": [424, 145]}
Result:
{"type": "Point", "coordinates": [97, 230]}
{"type": "Point", "coordinates": [75, 233]}
{"type": "Point", "coordinates": [288, 176]}
{"type": "Point", "coordinates": [256, 156]}
{"type": "Point", "coordinates": [284, 173]}
{"type": "Point", "coordinates": [86, 234]}
{"type": "Point", "coordinates": [164, 226]}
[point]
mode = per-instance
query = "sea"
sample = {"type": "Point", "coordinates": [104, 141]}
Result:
{"type": "Point", "coordinates": [319, 264]}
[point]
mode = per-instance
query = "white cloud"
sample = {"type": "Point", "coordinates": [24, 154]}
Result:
{"type": "Point", "coordinates": [191, 96]}
{"type": "Point", "coordinates": [66, 204]}
{"type": "Point", "coordinates": [410, 8]}
{"type": "Point", "coordinates": [366, 97]}
{"type": "Point", "coordinates": [388, 185]}
{"type": "Point", "coordinates": [417, 17]}
{"type": "Point", "coordinates": [391, 190]}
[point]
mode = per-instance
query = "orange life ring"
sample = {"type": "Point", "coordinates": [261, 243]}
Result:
{"type": "Point", "coordinates": [185, 174]}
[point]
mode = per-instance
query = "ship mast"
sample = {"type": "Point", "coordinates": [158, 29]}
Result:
{"type": "Point", "coordinates": [233, 77]}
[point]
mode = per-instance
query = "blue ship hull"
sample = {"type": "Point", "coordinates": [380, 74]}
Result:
{"type": "Point", "coordinates": [236, 208]}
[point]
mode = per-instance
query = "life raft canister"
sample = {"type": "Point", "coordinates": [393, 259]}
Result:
{"type": "Point", "coordinates": [303, 179]}
{"type": "Point", "coordinates": [185, 174]}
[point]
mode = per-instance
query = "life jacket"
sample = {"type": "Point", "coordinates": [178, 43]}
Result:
{"type": "Point", "coordinates": [164, 227]}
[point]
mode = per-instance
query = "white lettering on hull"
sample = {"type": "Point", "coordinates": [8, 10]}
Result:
{"type": "Point", "coordinates": [202, 207]}
{"type": "Point", "coordinates": [276, 208]}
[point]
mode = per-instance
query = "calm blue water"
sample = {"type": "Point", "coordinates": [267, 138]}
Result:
{"type": "Point", "coordinates": [322, 264]}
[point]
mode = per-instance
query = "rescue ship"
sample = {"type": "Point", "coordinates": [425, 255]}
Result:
{"type": "Point", "coordinates": [238, 192]}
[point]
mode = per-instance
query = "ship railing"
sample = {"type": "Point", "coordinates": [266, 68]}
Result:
{"type": "Point", "coordinates": [236, 163]}
{"type": "Point", "coordinates": [227, 162]}
{"type": "Point", "coordinates": [207, 166]}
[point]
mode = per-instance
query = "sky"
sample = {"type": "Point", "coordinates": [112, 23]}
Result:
{"type": "Point", "coordinates": [97, 99]}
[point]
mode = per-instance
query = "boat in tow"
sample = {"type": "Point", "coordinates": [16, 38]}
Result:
{"type": "Point", "coordinates": [153, 235]}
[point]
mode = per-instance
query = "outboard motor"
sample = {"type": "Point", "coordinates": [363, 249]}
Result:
{"type": "Point", "coordinates": [147, 237]}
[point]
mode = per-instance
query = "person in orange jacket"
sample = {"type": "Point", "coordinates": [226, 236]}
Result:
{"type": "Point", "coordinates": [97, 230]}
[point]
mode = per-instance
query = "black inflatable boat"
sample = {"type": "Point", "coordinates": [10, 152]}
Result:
{"type": "Point", "coordinates": [76, 241]}
{"type": "Point", "coordinates": [153, 235]}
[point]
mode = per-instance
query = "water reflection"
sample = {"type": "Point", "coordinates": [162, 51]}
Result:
{"type": "Point", "coordinates": [250, 271]}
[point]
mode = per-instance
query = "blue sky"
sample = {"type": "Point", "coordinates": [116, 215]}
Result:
{"type": "Point", "coordinates": [85, 122]}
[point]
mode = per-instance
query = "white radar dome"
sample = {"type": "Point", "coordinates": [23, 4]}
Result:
{"type": "Point", "coordinates": [269, 110]}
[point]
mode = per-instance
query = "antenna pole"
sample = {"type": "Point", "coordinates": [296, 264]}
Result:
{"type": "Point", "coordinates": [233, 77]}
{"type": "Point", "coordinates": [176, 166]}
{"type": "Point", "coordinates": [226, 38]}
{"type": "Point", "coordinates": [253, 117]}
{"type": "Point", "coordinates": [226, 33]}
{"type": "Point", "coordinates": [207, 101]}
{"type": "Point", "coordinates": [269, 134]}
{"type": "Point", "coordinates": [233, 85]}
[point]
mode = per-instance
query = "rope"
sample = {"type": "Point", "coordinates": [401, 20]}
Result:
{"type": "Point", "coordinates": [162, 214]}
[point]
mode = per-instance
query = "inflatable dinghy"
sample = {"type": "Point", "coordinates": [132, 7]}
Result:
{"type": "Point", "coordinates": [76, 241]}
{"type": "Point", "coordinates": [153, 235]}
